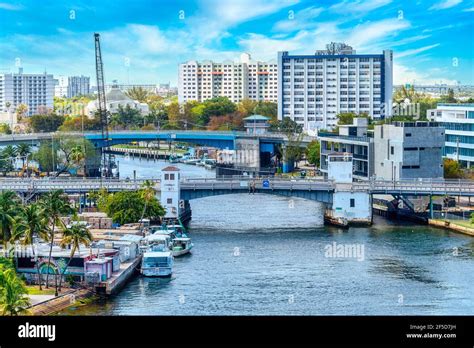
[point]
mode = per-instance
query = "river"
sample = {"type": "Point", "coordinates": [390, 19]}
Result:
{"type": "Point", "coordinates": [268, 255]}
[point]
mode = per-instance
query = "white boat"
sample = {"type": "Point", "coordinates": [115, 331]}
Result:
{"type": "Point", "coordinates": [191, 160]}
{"type": "Point", "coordinates": [181, 246]}
{"type": "Point", "coordinates": [157, 264]}
{"type": "Point", "coordinates": [210, 163]}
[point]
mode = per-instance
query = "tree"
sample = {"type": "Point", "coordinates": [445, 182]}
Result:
{"type": "Point", "coordinates": [47, 156]}
{"type": "Point", "coordinates": [313, 153]}
{"type": "Point", "coordinates": [31, 222]}
{"type": "Point", "coordinates": [46, 123]}
{"type": "Point", "coordinates": [452, 169]}
{"type": "Point", "coordinates": [9, 203]}
{"type": "Point", "coordinates": [24, 151]}
{"type": "Point", "coordinates": [247, 107]}
{"type": "Point", "coordinates": [10, 153]}
{"type": "Point", "coordinates": [13, 299]}
{"type": "Point", "coordinates": [5, 128]}
{"type": "Point", "coordinates": [127, 207]}
{"type": "Point", "coordinates": [138, 93]}
{"type": "Point", "coordinates": [74, 235]}
{"type": "Point", "coordinates": [21, 111]}
{"type": "Point", "coordinates": [79, 123]}
{"type": "Point", "coordinates": [449, 98]}
{"type": "Point", "coordinates": [55, 204]}
{"type": "Point", "coordinates": [126, 117]}
{"type": "Point", "coordinates": [266, 108]}
{"type": "Point", "coordinates": [217, 106]}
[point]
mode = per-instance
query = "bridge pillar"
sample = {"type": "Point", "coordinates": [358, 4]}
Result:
{"type": "Point", "coordinates": [247, 152]}
{"type": "Point", "coordinates": [348, 206]}
{"type": "Point", "coordinates": [170, 196]}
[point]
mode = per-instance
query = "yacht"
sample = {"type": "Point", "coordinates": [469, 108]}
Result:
{"type": "Point", "coordinates": [157, 264]}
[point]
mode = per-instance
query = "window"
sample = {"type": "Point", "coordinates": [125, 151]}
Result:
{"type": "Point", "coordinates": [169, 200]}
{"type": "Point", "coordinates": [352, 202]}
{"type": "Point", "coordinates": [392, 150]}
{"type": "Point", "coordinates": [408, 134]}
{"type": "Point", "coordinates": [167, 176]}
{"type": "Point", "coordinates": [171, 176]}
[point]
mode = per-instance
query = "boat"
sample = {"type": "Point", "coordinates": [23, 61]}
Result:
{"type": "Point", "coordinates": [173, 159]}
{"type": "Point", "coordinates": [191, 160]}
{"type": "Point", "coordinates": [157, 264]}
{"type": "Point", "coordinates": [210, 163]}
{"type": "Point", "coordinates": [157, 242]}
{"type": "Point", "coordinates": [181, 246]}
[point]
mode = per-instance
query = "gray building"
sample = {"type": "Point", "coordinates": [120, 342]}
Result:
{"type": "Point", "coordinates": [353, 139]}
{"type": "Point", "coordinates": [408, 150]}
{"type": "Point", "coordinates": [78, 85]}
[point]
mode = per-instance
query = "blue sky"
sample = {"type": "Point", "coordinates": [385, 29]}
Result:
{"type": "Point", "coordinates": [143, 41]}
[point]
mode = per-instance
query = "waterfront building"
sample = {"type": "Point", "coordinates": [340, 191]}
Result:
{"type": "Point", "coordinates": [256, 124]}
{"type": "Point", "coordinates": [36, 91]}
{"type": "Point", "coordinates": [247, 78]}
{"type": "Point", "coordinates": [353, 139]}
{"type": "Point", "coordinates": [408, 150]}
{"type": "Point", "coordinates": [313, 89]}
{"type": "Point", "coordinates": [115, 99]}
{"type": "Point", "coordinates": [60, 86]}
{"type": "Point", "coordinates": [458, 121]}
{"type": "Point", "coordinates": [78, 85]}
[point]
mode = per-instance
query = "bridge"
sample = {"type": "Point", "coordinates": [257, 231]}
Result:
{"type": "Point", "coordinates": [193, 188]}
{"type": "Point", "coordinates": [348, 201]}
{"type": "Point", "coordinates": [218, 139]}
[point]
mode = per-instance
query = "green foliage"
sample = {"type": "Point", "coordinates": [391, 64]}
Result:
{"type": "Point", "coordinates": [313, 153]}
{"type": "Point", "coordinates": [138, 93]}
{"type": "Point", "coordinates": [266, 108]}
{"type": "Point", "coordinates": [452, 169]}
{"type": "Point", "coordinates": [46, 123]}
{"type": "Point", "coordinates": [129, 207]}
{"type": "Point", "coordinates": [13, 293]}
{"type": "Point", "coordinates": [9, 205]}
{"type": "Point", "coordinates": [46, 156]}
{"type": "Point", "coordinates": [127, 116]}
{"type": "Point", "coordinates": [449, 98]}
{"type": "Point", "coordinates": [217, 106]}
{"type": "Point", "coordinates": [348, 117]}
{"type": "Point", "coordinates": [5, 129]}
{"type": "Point", "coordinates": [79, 123]}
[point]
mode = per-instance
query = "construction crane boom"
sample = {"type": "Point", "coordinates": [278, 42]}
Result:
{"type": "Point", "coordinates": [102, 106]}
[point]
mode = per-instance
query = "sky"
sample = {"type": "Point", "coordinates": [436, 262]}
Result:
{"type": "Point", "coordinates": [143, 41]}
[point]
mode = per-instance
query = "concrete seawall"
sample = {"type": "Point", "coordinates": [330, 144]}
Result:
{"type": "Point", "coordinates": [453, 227]}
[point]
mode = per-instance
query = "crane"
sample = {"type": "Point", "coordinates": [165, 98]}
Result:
{"type": "Point", "coordinates": [102, 107]}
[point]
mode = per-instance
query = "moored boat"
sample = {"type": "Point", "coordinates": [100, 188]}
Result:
{"type": "Point", "coordinates": [181, 246]}
{"type": "Point", "coordinates": [157, 264]}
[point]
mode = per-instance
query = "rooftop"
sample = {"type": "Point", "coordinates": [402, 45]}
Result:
{"type": "Point", "coordinates": [257, 118]}
{"type": "Point", "coordinates": [170, 169]}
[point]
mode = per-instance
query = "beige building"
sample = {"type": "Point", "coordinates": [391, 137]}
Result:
{"type": "Point", "coordinates": [246, 78]}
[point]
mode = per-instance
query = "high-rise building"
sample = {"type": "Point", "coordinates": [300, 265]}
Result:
{"type": "Point", "coordinates": [78, 85]}
{"type": "Point", "coordinates": [247, 78]}
{"type": "Point", "coordinates": [313, 89]}
{"type": "Point", "coordinates": [60, 86]}
{"type": "Point", "coordinates": [36, 91]}
{"type": "Point", "coordinates": [458, 120]}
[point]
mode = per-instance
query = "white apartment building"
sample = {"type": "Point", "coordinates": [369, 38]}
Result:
{"type": "Point", "coordinates": [78, 85]}
{"type": "Point", "coordinates": [36, 91]}
{"type": "Point", "coordinates": [458, 121]}
{"type": "Point", "coordinates": [60, 86]}
{"type": "Point", "coordinates": [313, 89]}
{"type": "Point", "coordinates": [247, 78]}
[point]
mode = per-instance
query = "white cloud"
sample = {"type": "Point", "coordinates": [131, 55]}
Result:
{"type": "Point", "coordinates": [403, 74]}
{"type": "Point", "coordinates": [10, 7]}
{"type": "Point", "coordinates": [303, 19]}
{"type": "Point", "coordinates": [415, 51]}
{"type": "Point", "coordinates": [442, 5]}
{"type": "Point", "coordinates": [358, 6]}
{"type": "Point", "coordinates": [468, 9]}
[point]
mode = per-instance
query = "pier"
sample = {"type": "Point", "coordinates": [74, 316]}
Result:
{"type": "Point", "coordinates": [119, 278]}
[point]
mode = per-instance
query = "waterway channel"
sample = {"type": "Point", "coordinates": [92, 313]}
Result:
{"type": "Point", "coordinates": [268, 255]}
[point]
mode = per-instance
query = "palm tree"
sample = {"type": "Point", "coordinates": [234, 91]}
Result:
{"type": "Point", "coordinates": [12, 293]}
{"type": "Point", "coordinates": [9, 203]}
{"type": "Point", "coordinates": [148, 193]}
{"type": "Point", "coordinates": [55, 204]}
{"type": "Point", "coordinates": [24, 150]}
{"type": "Point", "coordinates": [10, 153]}
{"type": "Point", "coordinates": [31, 222]}
{"type": "Point", "coordinates": [21, 111]}
{"type": "Point", "coordinates": [74, 236]}
{"type": "Point", "coordinates": [138, 93]}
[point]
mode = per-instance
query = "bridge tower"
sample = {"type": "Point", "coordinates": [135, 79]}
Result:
{"type": "Point", "coordinates": [170, 192]}
{"type": "Point", "coordinates": [348, 206]}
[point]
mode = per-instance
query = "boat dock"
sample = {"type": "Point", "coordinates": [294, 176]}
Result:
{"type": "Point", "coordinates": [120, 277]}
